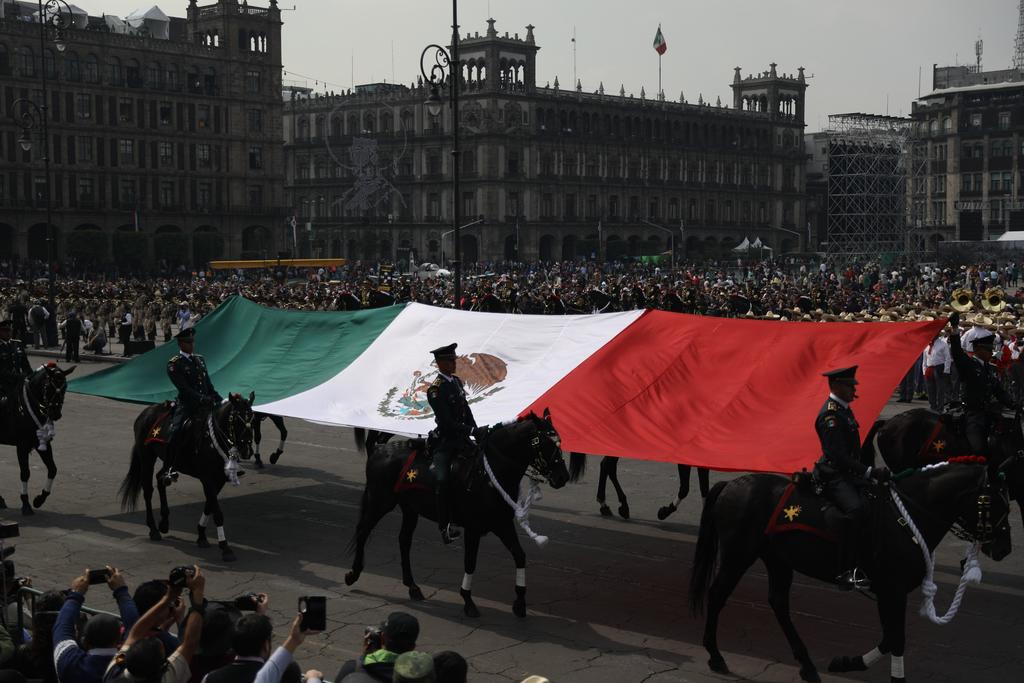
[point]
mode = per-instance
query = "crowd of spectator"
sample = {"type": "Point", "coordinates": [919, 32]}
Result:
{"type": "Point", "coordinates": [168, 631]}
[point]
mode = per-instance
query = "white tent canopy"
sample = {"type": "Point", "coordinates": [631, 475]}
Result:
{"type": "Point", "coordinates": [79, 17]}
{"type": "Point", "coordinates": [742, 246]}
{"type": "Point", "coordinates": [153, 21]}
{"type": "Point", "coordinates": [1012, 236]}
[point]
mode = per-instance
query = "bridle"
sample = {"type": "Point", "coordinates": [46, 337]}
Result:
{"type": "Point", "coordinates": [238, 420]}
{"type": "Point", "coordinates": [50, 395]}
{"type": "Point", "coordinates": [540, 463]}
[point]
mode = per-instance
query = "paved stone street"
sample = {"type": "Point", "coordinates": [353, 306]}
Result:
{"type": "Point", "coordinates": [607, 597]}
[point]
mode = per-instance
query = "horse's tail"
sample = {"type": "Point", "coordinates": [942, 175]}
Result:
{"type": "Point", "coordinates": [132, 484]}
{"type": "Point", "coordinates": [363, 503]}
{"type": "Point", "coordinates": [706, 555]}
{"type": "Point", "coordinates": [867, 451]}
{"type": "Point", "coordinates": [577, 466]}
{"type": "Point", "coordinates": [360, 435]}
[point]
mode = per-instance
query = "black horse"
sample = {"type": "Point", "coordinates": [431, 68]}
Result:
{"type": "Point", "coordinates": [204, 449]}
{"type": "Point", "coordinates": [733, 531]}
{"type": "Point", "coordinates": [609, 471]}
{"type": "Point", "coordinates": [40, 400]}
{"type": "Point", "coordinates": [918, 437]}
{"type": "Point", "coordinates": [511, 451]}
{"type": "Point", "coordinates": [257, 435]}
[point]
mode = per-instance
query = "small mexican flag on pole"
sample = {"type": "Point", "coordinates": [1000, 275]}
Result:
{"type": "Point", "coordinates": [659, 42]}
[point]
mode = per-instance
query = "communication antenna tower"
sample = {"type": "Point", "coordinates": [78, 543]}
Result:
{"type": "Point", "coordinates": [1018, 44]}
{"type": "Point", "coordinates": [979, 47]}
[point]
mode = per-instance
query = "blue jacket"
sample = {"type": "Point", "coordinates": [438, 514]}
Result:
{"type": "Point", "coordinates": [73, 664]}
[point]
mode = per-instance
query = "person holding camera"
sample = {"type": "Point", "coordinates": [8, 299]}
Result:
{"type": "Point", "coordinates": [251, 642]}
{"type": "Point", "coordinates": [142, 656]}
{"type": "Point", "coordinates": [283, 659]}
{"type": "Point", "coordinates": [381, 647]}
{"type": "Point", "coordinates": [216, 647]}
{"type": "Point", "coordinates": [87, 662]}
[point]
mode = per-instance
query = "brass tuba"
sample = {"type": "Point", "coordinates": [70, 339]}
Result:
{"type": "Point", "coordinates": [994, 300]}
{"type": "Point", "coordinates": [963, 300]}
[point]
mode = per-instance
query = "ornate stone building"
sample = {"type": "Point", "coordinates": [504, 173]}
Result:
{"type": "Point", "coordinates": [165, 134]}
{"type": "Point", "coordinates": [970, 129]}
{"type": "Point", "coordinates": [554, 172]}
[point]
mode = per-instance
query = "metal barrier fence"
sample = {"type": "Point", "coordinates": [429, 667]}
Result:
{"type": "Point", "coordinates": [30, 594]}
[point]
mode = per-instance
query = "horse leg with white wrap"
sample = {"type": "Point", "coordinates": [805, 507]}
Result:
{"type": "Point", "coordinates": [510, 539]}
{"type": "Point", "coordinates": [892, 609]}
{"type": "Point", "coordinates": [211, 491]}
{"type": "Point", "coordinates": [472, 547]}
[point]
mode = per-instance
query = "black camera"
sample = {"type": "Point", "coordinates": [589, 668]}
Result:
{"type": "Point", "coordinates": [248, 602]}
{"type": "Point", "coordinates": [314, 613]}
{"type": "Point", "coordinates": [372, 637]}
{"type": "Point", "coordinates": [98, 576]}
{"type": "Point", "coordinates": [9, 530]}
{"type": "Point", "coordinates": [180, 575]}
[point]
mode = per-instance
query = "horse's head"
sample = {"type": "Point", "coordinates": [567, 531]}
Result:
{"type": "Point", "coordinates": [237, 423]}
{"type": "Point", "coordinates": [547, 460]}
{"type": "Point", "coordinates": [48, 386]}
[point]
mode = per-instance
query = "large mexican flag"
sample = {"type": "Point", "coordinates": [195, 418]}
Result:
{"type": "Point", "coordinates": [723, 393]}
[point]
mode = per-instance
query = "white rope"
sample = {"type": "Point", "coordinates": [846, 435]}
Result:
{"type": "Point", "coordinates": [971, 571]}
{"type": "Point", "coordinates": [230, 458]}
{"type": "Point", "coordinates": [522, 508]}
{"type": "Point", "coordinates": [45, 431]}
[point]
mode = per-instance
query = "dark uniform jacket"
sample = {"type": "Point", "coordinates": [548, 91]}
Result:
{"type": "Point", "coordinates": [189, 375]}
{"type": "Point", "coordinates": [447, 399]}
{"type": "Point", "coordinates": [980, 381]}
{"type": "Point", "coordinates": [840, 442]}
{"type": "Point", "coordinates": [14, 365]}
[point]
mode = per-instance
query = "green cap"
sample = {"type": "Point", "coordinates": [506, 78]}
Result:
{"type": "Point", "coordinates": [414, 667]}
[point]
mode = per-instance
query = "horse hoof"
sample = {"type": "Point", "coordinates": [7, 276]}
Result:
{"type": "Point", "coordinates": [3, 503]}
{"type": "Point", "coordinates": [810, 675]}
{"type": "Point", "coordinates": [203, 542]}
{"type": "Point", "coordinates": [519, 608]}
{"type": "Point", "coordinates": [605, 511]}
{"type": "Point", "coordinates": [717, 664]}
{"type": "Point", "coordinates": [665, 510]}
{"type": "Point", "coordinates": [259, 464]}
{"type": "Point", "coordinates": [226, 553]}
{"type": "Point", "coordinates": [352, 577]}
{"type": "Point", "coordinates": [275, 456]}
{"type": "Point", "coordinates": [38, 501]}
{"type": "Point", "coordinates": [471, 611]}
{"type": "Point", "coordinates": [844, 664]}
{"type": "Point", "coordinates": [165, 526]}
{"type": "Point", "coordinates": [154, 535]}
{"type": "Point", "coordinates": [414, 593]}
{"type": "Point", "coordinates": [624, 511]}
{"type": "Point", "coordinates": [27, 510]}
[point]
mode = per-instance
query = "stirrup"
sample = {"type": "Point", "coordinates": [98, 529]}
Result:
{"type": "Point", "coordinates": [851, 579]}
{"type": "Point", "coordinates": [169, 477]}
{"type": "Point", "coordinates": [449, 534]}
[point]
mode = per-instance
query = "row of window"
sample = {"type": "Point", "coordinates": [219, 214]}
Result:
{"type": "Point", "coordinates": [71, 190]}
{"type": "Point", "coordinates": [567, 207]}
{"type": "Point", "coordinates": [999, 181]}
{"type": "Point", "coordinates": [164, 115]}
{"type": "Point", "coordinates": [121, 73]}
{"type": "Point", "coordinates": [975, 120]}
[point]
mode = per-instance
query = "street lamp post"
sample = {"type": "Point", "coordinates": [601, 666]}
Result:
{"type": "Point", "coordinates": [446, 71]}
{"type": "Point", "coordinates": [54, 18]}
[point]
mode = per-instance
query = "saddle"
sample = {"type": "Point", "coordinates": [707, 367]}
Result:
{"type": "Point", "coordinates": [416, 473]}
{"type": "Point", "coordinates": [800, 508]}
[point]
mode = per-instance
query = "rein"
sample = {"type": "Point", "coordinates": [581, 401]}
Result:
{"type": "Point", "coordinates": [45, 430]}
{"type": "Point", "coordinates": [230, 457]}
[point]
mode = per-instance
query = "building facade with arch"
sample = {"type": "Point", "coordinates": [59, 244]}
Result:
{"type": "Point", "coordinates": [554, 172]}
{"type": "Point", "coordinates": [165, 143]}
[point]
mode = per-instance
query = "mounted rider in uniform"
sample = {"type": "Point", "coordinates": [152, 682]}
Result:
{"type": "Point", "coordinates": [455, 424]}
{"type": "Point", "coordinates": [840, 472]}
{"type": "Point", "coordinates": [14, 368]}
{"type": "Point", "coordinates": [196, 395]}
{"type": "Point", "coordinates": [981, 386]}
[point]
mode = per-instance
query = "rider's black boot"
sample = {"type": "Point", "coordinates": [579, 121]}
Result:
{"type": "Point", "coordinates": [448, 532]}
{"type": "Point", "coordinates": [850, 576]}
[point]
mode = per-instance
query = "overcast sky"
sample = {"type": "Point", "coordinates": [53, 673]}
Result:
{"type": "Point", "coordinates": [862, 53]}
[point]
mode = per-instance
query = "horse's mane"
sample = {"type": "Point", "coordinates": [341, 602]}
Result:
{"type": "Point", "coordinates": [936, 484]}
{"type": "Point", "coordinates": [501, 437]}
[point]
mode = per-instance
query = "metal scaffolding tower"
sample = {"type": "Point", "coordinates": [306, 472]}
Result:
{"type": "Point", "coordinates": [870, 159]}
{"type": "Point", "coordinates": [1018, 44]}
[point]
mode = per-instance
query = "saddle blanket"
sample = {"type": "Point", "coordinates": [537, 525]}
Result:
{"type": "Point", "coordinates": [161, 425]}
{"type": "Point", "coordinates": [415, 474]}
{"type": "Point", "coordinates": [801, 510]}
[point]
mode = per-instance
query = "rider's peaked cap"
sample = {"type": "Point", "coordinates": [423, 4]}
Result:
{"type": "Point", "coordinates": [842, 375]}
{"type": "Point", "coordinates": [187, 333]}
{"type": "Point", "coordinates": [444, 351]}
{"type": "Point", "coordinates": [987, 339]}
